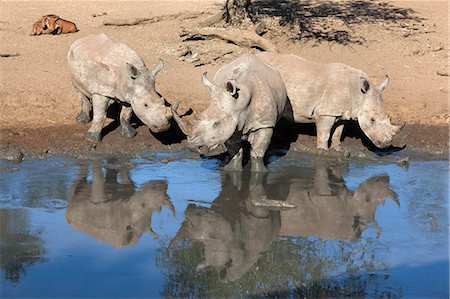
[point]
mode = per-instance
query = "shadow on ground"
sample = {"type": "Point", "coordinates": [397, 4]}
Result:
{"type": "Point", "coordinates": [331, 21]}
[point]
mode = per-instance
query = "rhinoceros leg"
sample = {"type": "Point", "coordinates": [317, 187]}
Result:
{"type": "Point", "coordinates": [259, 142]}
{"type": "Point", "coordinates": [125, 115]}
{"type": "Point", "coordinates": [85, 112]}
{"type": "Point", "coordinates": [235, 163]}
{"type": "Point", "coordinates": [336, 138]}
{"type": "Point", "coordinates": [100, 105]}
{"type": "Point", "coordinates": [324, 124]}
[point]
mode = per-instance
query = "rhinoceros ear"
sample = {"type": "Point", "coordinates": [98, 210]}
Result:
{"type": "Point", "coordinates": [383, 85]}
{"type": "Point", "coordinates": [365, 86]}
{"type": "Point", "coordinates": [206, 82]}
{"type": "Point", "coordinates": [133, 71]}
{"type": "Point", "coordinates": [157, 68]}
{"type": "Point", "coordinates": [230, 85]}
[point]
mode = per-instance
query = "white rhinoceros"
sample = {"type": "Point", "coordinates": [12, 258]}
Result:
{"type": "Point", "coordinates": [327, 94]}
{"type": "Point", "coordinates": [248, 96]}
{"type": "Point", "coordinates": [104, 70]}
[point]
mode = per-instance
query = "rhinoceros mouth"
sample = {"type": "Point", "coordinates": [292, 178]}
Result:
{"type": "Point", "coordinates": [213, 150]}
{"type": "Point", "coordinates": [159, 129]}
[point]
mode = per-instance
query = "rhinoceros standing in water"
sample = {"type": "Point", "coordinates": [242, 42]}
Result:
{"type": "Point", "coordinates": [327, 93]}
{"type": "Point", "coordinates": [248, 96]}
{"type": "Point", "coordinates": [103, 71]}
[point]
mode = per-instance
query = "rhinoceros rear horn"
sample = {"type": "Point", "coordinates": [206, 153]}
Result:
{"type": "Point", "coordinates": [158, 68]}
{"type": "Point", "coordinates": [383, 85]}
{"type": "Point", "coordinates": [206, 81]}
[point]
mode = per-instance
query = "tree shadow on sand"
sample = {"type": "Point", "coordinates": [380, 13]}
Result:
{"type": "Point", "coordinates": [329, 21]}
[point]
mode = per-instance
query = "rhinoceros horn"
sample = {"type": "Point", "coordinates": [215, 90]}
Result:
{"type": "Point", "coordinates": [383, 85]}
{"type": "Point", "coordinates": [157, 68]}
{"type": "Point", "coordinates": [206, 81]}
{"type": "Point", "coordinates": [184, 124]}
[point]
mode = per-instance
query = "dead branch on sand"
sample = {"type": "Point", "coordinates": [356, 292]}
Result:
{"type": "Point", "coordinates": [150, 20]}
{"type": "Point", "coordinates": [9, 54]}
{"type": "Point", "coordinates": [238, 37]}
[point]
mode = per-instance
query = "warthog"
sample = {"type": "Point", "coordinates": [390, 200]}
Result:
{"type": "Point", "coordinates": [248, 96]}
{"type": "Point", "coordinates": [104, 70]}
{"type": "Point", "coordinates": [327, 94]}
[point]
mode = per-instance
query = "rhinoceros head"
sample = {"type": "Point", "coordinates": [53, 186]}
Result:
{"type": "Point", "coordinates": [147, 104]}
{"type": "Point", "coordinates": [372, 119]}
{"type": "Point", "coordinates": [217, 123]}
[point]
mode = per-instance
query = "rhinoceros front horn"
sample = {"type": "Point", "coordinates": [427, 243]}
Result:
{"type": "Point", "coordinates": [184, 124]}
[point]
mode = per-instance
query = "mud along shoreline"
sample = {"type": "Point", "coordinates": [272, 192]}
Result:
{"type": "Point", "coordinates": [417, 141]}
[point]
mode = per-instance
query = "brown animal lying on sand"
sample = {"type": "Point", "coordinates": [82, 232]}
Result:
{"type": "Point", "coordinates": [52, 24]}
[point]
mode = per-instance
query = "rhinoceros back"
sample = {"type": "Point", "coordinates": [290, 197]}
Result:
{"type": "Point", "coordinates": [313, 88]}
{"type": "Point", "coordinates": [97, 65]}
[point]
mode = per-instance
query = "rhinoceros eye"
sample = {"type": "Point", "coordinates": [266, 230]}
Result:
{"type": "Point", "coordinates": [372, 120]}
{"type": "Point", "coordinates": [216, 124]}
{"type": "Point", "coordinates": [145, 105]}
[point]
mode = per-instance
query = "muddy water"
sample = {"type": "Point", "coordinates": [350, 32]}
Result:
{"type": "Point", "coordinates": [166, 225]}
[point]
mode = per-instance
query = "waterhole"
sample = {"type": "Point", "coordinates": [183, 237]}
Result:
{"type": "Point", "coordinates": [167, 225]}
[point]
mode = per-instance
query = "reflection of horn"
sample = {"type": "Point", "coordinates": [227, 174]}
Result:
{"type": "Point", "coordinates": [392, 194]}
{"type": "Point", "coordinates": [181, 234]}
{"type": "Point", "coordinates": [170, 206]}
{"type": "Point", "coordinates": [154, 235]}
{"type": "Point", "coordinates": [206, 82]}
{"type": "Point", "coordinates": [157, 68]}
{"type": "Point", "coordinates": [185, 125]}
{"type": "Point", "coordinates": [382, 86]}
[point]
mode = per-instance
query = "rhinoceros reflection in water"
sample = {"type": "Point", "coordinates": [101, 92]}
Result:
{"type": "Point", "coordinates": [326, 208]}
{"type": "Point", "coordinates": [235, 232]}
{"type": "Point", "coordinates": [114, 210]}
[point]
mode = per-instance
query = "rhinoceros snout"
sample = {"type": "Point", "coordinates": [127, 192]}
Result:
{"type": "Point", "coordinates": [161, 128]}
{"type": "Point", "coordinates": [202, 149]}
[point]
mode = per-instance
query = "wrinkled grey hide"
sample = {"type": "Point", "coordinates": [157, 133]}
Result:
{"type": "Point", "coordinates": [247, 96]}
{"type": "Point", "coordinates": [114, 210]}
{"type": "Point", "coordinates": [327, 93]}
{"type": "Point", "coordinates": [235, 233]}
{"type": "Point", "coordinates": [104, 70]}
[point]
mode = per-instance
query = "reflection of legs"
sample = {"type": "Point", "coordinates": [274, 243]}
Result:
{"type": "Point", "coordinates": [323, 128]}
{"type": "Point", "coordinates": [336, 138]}
{"type": "Point", "coordinates": [124, 172]}
{"type": "Point", "coordinates": [100, 105]}
{"type": "Point", "coordinates": [322, 182]}
{"type": "Point", "coordinates": [125, 115]}
{"type": "Point", "coordinates": [259, 142]}
{"type": "Point", "coordinates": [98, 182]}
{"type": "Point", "coordinates": [258, 197]}
{"type": "Point", "coordinates": [85, 113]}
{"type": "Point", "coordinates": [235, 163]}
